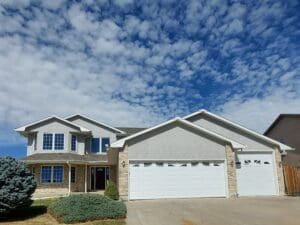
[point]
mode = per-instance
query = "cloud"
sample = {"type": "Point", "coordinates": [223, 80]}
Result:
{"type": "Point", "coordinates": [138, 63]}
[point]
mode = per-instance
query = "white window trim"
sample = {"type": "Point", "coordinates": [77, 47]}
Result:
{"type": "Point", "coordinates": [52, 169]}
{"type": "Point", "coordinates": [53, 142]}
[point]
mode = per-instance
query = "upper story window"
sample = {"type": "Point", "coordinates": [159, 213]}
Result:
{"type": "Point", "coordinates": [59, 142]}
{"type": "Point", "coordinates": [95, 145]}
{"type": "Point", "coordinates": [104, 143]}
{"type": "Point", "coordinates": [53, 141]}
{"type": "Point", "coordinates": [47, 141]}
{"type": "Point", "coordinates": [73, 142]}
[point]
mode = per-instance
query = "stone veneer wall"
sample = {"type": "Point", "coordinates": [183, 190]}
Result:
{"type": "Point", "coordinates": [123, 173]}
{"type": "Point", "coordinates": [278, 162]}
{"type": "Point", "coordinates": [231, 172]}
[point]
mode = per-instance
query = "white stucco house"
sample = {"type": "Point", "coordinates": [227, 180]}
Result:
{"type": "Point", "coordinates": [199, 155]}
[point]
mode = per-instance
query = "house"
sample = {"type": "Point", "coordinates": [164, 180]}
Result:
{"type": "Point", "coordinates": [200, 155]}
{"type": "Point", "coordinates": [286, 129]}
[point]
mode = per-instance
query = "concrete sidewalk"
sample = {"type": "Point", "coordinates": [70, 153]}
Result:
{"type": "Point", "coordinates": [216, 211]}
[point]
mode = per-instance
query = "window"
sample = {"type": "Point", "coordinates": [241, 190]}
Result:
{"type": "Point", "coordinates": [104, 142]}
{"type": "Point", "coordinates": [95, 145]}
{"type": "Point", "coordinates": [59, 142]}
{"type": "Point", "coordinates": [170, 164]}
{"type": "Point", "coordinates": [47, 141]}
{"type": "Point", "coordinates": [73, 174]}
{"type": "Point", "coordinates": [183, 165]}
{"type": "Point", "coordinates": [57, 174]}
{"type": "Point", "coordinates": [46, 174]}
{"type": "Point", "coordinates": [205, 163]}
{"type": "Point", "coordinates": [194, 163]}
{"type": "Point", "coordinates": [52, 174]}
{"type": "Point", "coordinates": [159, 164]}
{"type": "Point", "coordinates": [147, 164]}
{"type": "Point", "coordinates": [73, 142]}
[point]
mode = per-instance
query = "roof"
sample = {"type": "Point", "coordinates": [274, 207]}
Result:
{"type": "Point", "coordinates": [131, 130]}
{"type": "Point", "coordinates": [276, 121]}
{"type": "Point", "coordinates": [121, 142]}
{"type": "Point", "coordinates": [95, 122]}
{"type": "Point", "coordinates": [26, 127]}
{"type": "Point", "coordinates": [64, 157]}
{"type": "Point", "coordinates": [283, 147]}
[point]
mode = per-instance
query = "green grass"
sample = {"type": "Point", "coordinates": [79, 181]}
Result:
{"type": "Point", "coordinates": [37, 208]}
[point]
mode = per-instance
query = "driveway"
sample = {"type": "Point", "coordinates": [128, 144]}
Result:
{"type": "Point", "coordinates": [216, 211]}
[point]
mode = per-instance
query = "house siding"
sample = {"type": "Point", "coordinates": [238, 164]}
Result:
{"type": "Point", "coordinates": [176, 142]}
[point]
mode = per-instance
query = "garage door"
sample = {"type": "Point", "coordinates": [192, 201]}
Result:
{"type": "Point", "coordinates": [176, 180]}
{"type": "Point", "coordinates": [255, 174]}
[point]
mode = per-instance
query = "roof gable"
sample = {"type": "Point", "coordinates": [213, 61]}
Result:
{"type": "Point", "coordinates": [239, 127]}
{"type": "Point", "coordinates": [92, 121]}
{"type": "Point", "coordinates": [28, 127]}
{"type": "Point", "coordinates": [121, 143]}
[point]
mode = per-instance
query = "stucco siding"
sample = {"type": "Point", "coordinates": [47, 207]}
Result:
{"type": "Point", "coordinates": [176, 142]}
{"type": "Point", "coordinates": [231, 133]}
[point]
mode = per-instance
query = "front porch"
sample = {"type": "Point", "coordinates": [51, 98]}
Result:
{"type": "Point", "coordinates": [62, 179]}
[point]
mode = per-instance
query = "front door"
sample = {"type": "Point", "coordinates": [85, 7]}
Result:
{"type": "Point", "coordinates": [98, 178]}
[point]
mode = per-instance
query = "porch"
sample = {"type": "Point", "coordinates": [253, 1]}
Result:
{"type": "Point", "coordinates": [62, 179]}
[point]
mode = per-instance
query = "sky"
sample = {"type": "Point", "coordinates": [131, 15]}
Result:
{"type": "Point", "coordinates": [139, 63]}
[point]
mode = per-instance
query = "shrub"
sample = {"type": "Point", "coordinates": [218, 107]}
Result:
{"type": "Point", "coordinates": [111, 191]}
{"type": "Point", "coordinates": [86, 207]}
{"type": "Point", "coordinates": [17, 185]}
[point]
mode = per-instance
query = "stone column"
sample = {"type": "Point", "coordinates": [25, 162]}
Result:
{"type": "Point", "coordinates": [279, 168]}
{"type": "Point", "coordinates": [123, 172]}
{"type": "Point", "coordinates": [231, 171]}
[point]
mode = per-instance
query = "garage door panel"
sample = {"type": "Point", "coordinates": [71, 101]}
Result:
{"type": "Point", "coordinates": [174, 180]}
{"type": "Point", "coordinates": [255, 174]}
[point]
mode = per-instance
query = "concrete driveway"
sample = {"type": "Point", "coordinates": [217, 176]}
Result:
{"type": "Point", "coordinates": [216, 211]}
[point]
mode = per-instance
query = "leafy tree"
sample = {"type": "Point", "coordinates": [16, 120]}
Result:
{"type": "Point", "coordinates": [17, 185]}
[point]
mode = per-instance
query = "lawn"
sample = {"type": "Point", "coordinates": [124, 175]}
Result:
{"type": "Point", "coordinates": [37, 215]}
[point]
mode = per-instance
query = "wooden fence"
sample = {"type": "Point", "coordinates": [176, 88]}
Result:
{"type": "Point", "coordinates": [292, 180]}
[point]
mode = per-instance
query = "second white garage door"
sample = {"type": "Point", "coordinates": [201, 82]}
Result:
{"type": "Point", "coordinates": [152, 180]}
{"type": "Point", "coordinates": [255, 174]}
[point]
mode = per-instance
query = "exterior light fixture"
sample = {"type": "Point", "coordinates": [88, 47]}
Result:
{"type": "Point", "coordinates": [123, 163]}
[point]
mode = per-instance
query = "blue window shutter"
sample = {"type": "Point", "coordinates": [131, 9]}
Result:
{"type": "Point", "coordinates": [95, 146]}
{"type": "Point", "coordinates": [104, 142]}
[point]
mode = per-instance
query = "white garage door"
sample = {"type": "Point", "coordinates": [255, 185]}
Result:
{"type": "Point", "coordinates": [255, 174]}
{"type": "Point", "coordinates": [176, 180]}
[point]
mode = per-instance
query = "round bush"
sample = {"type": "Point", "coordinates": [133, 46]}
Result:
{"type": "Point", "coordinates": [17, 185]}
{"type": "Point", "coordinates": [111, 191]}
{"type": "Point", "coordinates": [86, 207]}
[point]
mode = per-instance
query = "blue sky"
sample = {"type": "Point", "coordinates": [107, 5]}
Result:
{"type": "Point", "coordinates": [138, 63]}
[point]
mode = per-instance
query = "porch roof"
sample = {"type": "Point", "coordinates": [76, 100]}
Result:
{"type": "Point", "coordinates": [65, 158]}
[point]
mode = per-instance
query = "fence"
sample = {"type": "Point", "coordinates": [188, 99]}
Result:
{"type": "Point", "coordinates": [292, 180]}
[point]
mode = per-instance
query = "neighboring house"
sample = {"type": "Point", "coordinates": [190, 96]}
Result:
{"type": "Point", "coordinates": [200, 155]}
{"type": "Point", "coordinates": [286, 129]}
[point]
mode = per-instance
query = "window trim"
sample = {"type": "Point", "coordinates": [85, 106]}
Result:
{"type": "Point", "coordinates": [52, 173]}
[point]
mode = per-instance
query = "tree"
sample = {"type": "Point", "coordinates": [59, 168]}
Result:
{"type": "Point", "coordinates": [111, 191]}
{"type": "Point", "coordinates": [17, 185]}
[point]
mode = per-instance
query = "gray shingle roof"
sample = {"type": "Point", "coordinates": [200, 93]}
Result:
{"type": "Point", "coordinates": [131, 130]}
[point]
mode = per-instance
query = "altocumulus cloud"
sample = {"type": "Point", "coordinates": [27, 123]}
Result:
{"type": "Point", "coordinates": [141, 62]}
